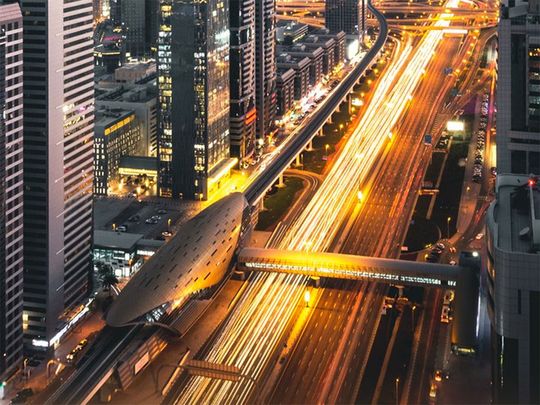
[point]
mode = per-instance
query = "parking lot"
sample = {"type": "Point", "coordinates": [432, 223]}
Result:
{"type": "Point", "coordinates": [151, 218]}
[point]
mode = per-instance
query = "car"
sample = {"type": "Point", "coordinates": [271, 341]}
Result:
{"type": "Point", "coordinates": [452, 263]}
{"type": "Point", "coordinates": [448, 296]}
{"type": "Point", "coordinates": [122, 228]}
{"type": "Point", "coordinates": [433, 391]}
{"type": "Point", "coordinates": [432, 259]}
{"type": "Point", "coordinates": [479, 236]}
{"type": "Point", "coordinates": [493, 171]}
{"type": "Point", "coordinates": [436, 251]}
{"type": "Point", "coordinates": [151, 221]}
{"type": "Point", "coordinates": [161, 211]}
{"type": "Point", "coordinates": [22, 396]}
{"type": "Point", "coordinates": [166, 234]}
{"type": "Point", "coordinates": [445, 314]}
{"type": "Point", "coordinates": [134, 218]}
{"type": "Point", "coordinates": [441, 245]}
{"type": "Point", "coordinates": [438, 375]}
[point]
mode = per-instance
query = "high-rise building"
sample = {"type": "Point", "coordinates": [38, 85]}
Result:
{"type": "Point", "coordinates": [58, 155]}
{"type": "Point", "coordinates": [518, 88]}
{"type": "Point", "coordinates": [11, 189]}
{"type": "Point", "coordinates": [242, 78]}
{"type": "Point", "coordinates": [346, 15]}
{"type": "Point", "coordinates": [133, 21]}
{"type": "Point", "coordinates": [513, 285]}
{"type": "Point", "coordinates": [265, 66]}
{"type": "Point", "coordinates": [513, 220]}
{"type": "Point", "coordinates": [193, 81]}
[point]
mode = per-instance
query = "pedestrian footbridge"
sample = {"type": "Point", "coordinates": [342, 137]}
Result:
{"type": "Point", "coordinates": [464, 279]}
{"type": "Point", "coordinates": [336, 265]}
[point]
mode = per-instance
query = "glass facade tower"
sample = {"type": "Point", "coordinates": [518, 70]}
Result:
{"type": "Point", "coordinates": [194, 99]}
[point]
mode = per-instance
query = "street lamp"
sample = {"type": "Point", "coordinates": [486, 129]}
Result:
{"type": "Point", "coordinates": [326, 147]}
{"type": "Point", "coordinates": [397, 391]}
{"type": "Point", "coordinates": [360, 196]}
{"type": "Point", "coordinates": [307, 297]}
{"type": "Point", "coordinates": [448, 227]}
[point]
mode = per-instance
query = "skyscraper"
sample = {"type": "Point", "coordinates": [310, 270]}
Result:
{"type": "Point", "coordinates": [518, 88]}
{"type": "Point", "coordinates": [58, 154]}
{"type": "Point", "coordinates": [265, 66]}
{"type": "Point", "coordinates": [242, 78]}
{"type": "Point", "coordinates": [193, 80]}
{"type": "Point", "coordinates": [11, 188]}
{"type": "Point", "coordinates": [134, 20]}
{"type": "Point", "coordinates": [513, 220]}
{"type": "Point", "coordinates": [348, 16]}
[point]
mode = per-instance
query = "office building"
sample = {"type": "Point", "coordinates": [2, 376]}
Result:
{"type": "Point", "coordinates": [518, 89]}
{"type": "Point", "coordinates": [265, 66]}
{"type": "Point", "coordinates": [11, 192]}
{"type": "Point", "coordinates": [513, 220]}
{"type": "Point", "coordinates": [58, 173]}
{"type": "Point", "coordinates": [140, 98]}
{"type": "Point", "coordinates": [242, 79]}
{"type": "Point", "coordinates": [513, 281]}
{"type": "Point", "coordinates": [133, 22]}
{"type": "Point", "coordinates": [117, 134]}
{"type": "Point", "coordinates": [346, 15]}
{"type": "Point", "coordinates": [193, 82]}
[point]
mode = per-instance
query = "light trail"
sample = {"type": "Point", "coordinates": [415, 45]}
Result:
{"type": "Point", "coordinates": [252, 331]}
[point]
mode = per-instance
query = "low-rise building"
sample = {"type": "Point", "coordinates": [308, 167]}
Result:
{"type": "Point", "coordinates": [339, 38]}
{"type": "Point", "coordinates": [139, 98]}
{"type": "Point", "coordinates": [133, 72]}
{"type": "Point", "coordinates": [117, 133]}
{"type": "Point", "coordinates": [328, 45]}
{"type": "Point", "coordinates": [290, 31]}
{"type": "Point", "coordinates": [300, 65]}
{"type": "Point", "coordinates": [125, 252]}
{"type": "Point", "coordinates": [285, 91]}
{"type": "Point", "coordinates": [315, 56]}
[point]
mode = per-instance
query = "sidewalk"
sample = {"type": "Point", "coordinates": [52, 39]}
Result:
{"type": "Point", "coordinates": [38, 375]}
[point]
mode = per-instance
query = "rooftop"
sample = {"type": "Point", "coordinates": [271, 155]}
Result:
{"type": "Point", "coordinates": [107, 117]}
{"type": "Point", "coordinates": [116, 240]}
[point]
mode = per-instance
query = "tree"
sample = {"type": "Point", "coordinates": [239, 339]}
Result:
{"type": "Point", "coordinates": [108, 281]}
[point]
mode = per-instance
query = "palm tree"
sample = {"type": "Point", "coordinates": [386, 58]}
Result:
{"type": "Point", "coordinates": [108, 281]}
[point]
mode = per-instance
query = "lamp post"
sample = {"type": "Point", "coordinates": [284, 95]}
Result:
{"type": "Point", "coordinates": [397, 391]}
{"type": "Point", "coordinates": [307, 297]}
{"type": "Point", "coordinates": [448, 227]}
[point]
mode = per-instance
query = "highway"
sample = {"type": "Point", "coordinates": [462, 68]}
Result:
{"type": "Point", "coordinates": [380, 223]}
{"type": "Point", "coordinates": [252, 332]}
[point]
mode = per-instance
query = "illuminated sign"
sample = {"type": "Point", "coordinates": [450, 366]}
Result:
{"type": "Point", "coordinates": [455, 126]}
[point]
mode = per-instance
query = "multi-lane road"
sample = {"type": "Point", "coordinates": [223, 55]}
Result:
{"type": "Point", "coordinates": [258, 324]}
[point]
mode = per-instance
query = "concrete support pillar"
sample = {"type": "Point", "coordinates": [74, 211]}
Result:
{"type": "Point", "coordinates": [281, 183]}
{"type": "Point", "coordinates": [298, 160]}
{"type": "Point", "coordinates": [349, 103]}
{"type": "Point", "coordinates": [261, 204]}
{"type": "Point", "coordinates": [309, 147]}
{"type": "Point", "coordinates": [316, 281]}
{"type": "Point", "coordinates": [320, 133]}
{"type": "Point", "coordinates": [330, 119]}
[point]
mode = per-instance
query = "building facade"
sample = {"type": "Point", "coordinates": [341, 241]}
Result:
{"type": "Point", "coordinates": [518, 89]}
{"type": "Point", "coordinates": [265, 66]}
{"type": "Point", "coordinates": [346, 15]}
{"type": "Point", "coordinates": [513, 281]}
{"type": "Point", "coordinates": [58, 155]}
{"type": "Point", "coordinates": [242, 79]}
{"type": "Point", "coordinates": [513, 220]}
{"type": "Point", "coordinates": [193, 62]}
{"type": "Point", "coordinates": [117, 134]}
{"type": "Point", "coordinates": [11, 189]}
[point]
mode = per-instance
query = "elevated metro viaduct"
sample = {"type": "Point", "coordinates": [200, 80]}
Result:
{"type": "Point", "coordinates": [464, 279]}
